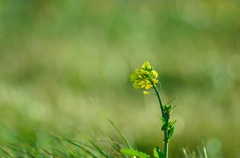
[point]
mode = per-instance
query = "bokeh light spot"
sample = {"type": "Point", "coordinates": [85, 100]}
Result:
{"type": "Point", "coordinates": [214, 146]}
{"type": "Point", "coordinates": [233, 67]}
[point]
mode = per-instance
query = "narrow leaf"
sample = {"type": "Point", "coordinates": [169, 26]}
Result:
{"type": "Point", "coordinates": [121, 134]}
{"type": "Point", "coordinates": [131, 152]}
{"type": "Point", "coordinates": [99, 150]}
{"type": "Point", "coordinates": [157, 153]}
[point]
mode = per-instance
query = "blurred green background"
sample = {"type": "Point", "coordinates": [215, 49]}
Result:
{"type": "Point", "coordinates": [61, 61]}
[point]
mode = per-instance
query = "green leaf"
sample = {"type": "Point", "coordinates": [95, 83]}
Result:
{"type": "Point", "coordinates": [131, 152]}
{"type": "Point", "coordinates": [164, 126]}
{"type": "Point", "coordinates": [157, 153]}
{"type": "Point", "coordinates": [170, 134]}
{"type": "Point", "coordinates": [163, 120]}
{"type": "Point", "coordinates": [172, 123]}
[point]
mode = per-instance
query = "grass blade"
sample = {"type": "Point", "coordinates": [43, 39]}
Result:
{"type": "Point", "coordinates": [99, 150]}
{"type": "Point", "coordinates": [6, 153]}
{"type": "Point", "coordinates": [122, 135]}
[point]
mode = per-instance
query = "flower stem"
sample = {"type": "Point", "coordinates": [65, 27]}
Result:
{"type": "Point", "coordinates": [166, 119]}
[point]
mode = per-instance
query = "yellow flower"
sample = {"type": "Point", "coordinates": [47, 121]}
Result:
{"type": "Point", "coordinates": [144, 77]}
{"type": "Point", "coordinates": [145, 92]}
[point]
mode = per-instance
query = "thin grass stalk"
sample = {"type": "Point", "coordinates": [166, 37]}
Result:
{"type": "Point", "coordinates": [121, 134]}
{"type": "Point", "coordinates": [99, 150]}
{"type": "Point", "coordinates": [6, 153]}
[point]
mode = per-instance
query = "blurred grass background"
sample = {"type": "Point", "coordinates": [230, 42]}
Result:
{"type": "Point", "coordinates": [59, 60]}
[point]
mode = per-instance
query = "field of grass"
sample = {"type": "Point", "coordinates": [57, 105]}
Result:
{"type": "Point", "coordinates": [62, 62]}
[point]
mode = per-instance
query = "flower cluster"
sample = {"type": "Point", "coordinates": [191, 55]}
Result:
{"type": "Point", "coordinates": [144, 77]}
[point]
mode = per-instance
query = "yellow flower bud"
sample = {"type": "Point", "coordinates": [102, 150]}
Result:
{"type": "Point", "coordinates": [142, 84]}
{"type": "Point", "coordinates": [135, 85]}
{"type": "Point", "coordinates": [146, 66]}
{"type": "Point", "coordinates": [134, 77]}
{"type": "Point", "coordinates": [155, 81]}
{"type": "Point", "coordinates": [148, 86]}
{"type": "Point", "coordinates": [145, 92]}
{"type": "Point", "coordinates": [143, 72]}
{"type": "Point", "coordinates": [155, 74]}
{"type": "Point", "coordinates": [137, 71]}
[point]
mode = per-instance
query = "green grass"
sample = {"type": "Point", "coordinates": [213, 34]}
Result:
{"type": "Point", "coordinates": [59, 146]}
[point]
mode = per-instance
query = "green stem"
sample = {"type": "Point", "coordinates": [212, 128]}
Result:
{"type": "Point", "coordinates": [166, 119]}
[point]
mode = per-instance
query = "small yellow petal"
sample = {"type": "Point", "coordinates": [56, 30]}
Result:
{"type": "Point", "coordinates": [135, 85]}
{"type": "Point", "coordinates": [137, 71]}
{"type": "Point", "coordinates": [145, 92]}
{"type": "Point", "coordinates": [142, 84]}
{"type": "Point", "coordinates": [155, 81]}
{"type": "Point", "coordinates": [134, 77]}
{"type": "Point", "coordinates": [147, 82]}
{"type": "Point", "coordinates": [155, 74]}
{"type": "Point", "coordinates": [146, 66]}
{"type": "Point", "coordinates": [148, 86]}
{"type": "Point", "coordinates": [143, 72]}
